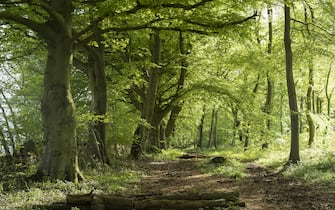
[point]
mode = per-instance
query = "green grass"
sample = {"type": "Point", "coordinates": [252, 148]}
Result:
{"type": "Point", "coordinates": [231, 168]}
{"type": "Point", "coordinates": [317, 163]}
{"type": "Point", "coordinates": [166, 155]}
{"type": "Point", "coordinates": [105, 180]}
{"type": "Point", "coordinates": [316, 166]}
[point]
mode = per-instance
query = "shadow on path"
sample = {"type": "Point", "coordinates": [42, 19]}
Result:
{"type": "Point", "coordinates": [263, 189]}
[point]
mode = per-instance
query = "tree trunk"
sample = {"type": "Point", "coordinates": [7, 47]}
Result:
{"type": "Point", "coordinates": [183, 69]}
{"type": "Point", "coordinates": [294, 151]}
{"type": "Point", "coordinates": [10, 135]}
{"type": "Point", "coordinates": [164, 144]}
{"type": "Point", "coordinates": [154, 133]}
{"type": "Point", "coordinates": [13, 116]}
{"type": "Point", "coordinates": [98, 85]}
{"type": "Point", "coordinates": [281, 113]}
{"type": "Point", "coordinates": [149, 101]}
{"type": "Point", "coordinates": [236, 125]}
{"type": "Point", "coordinates": [58, 111]}
{"type": "Point", "coordinates": [201, 128]}
{"type": "Point", "coordinates": [246, 140]}
{"type": "Point", "coordinates": [318, 105]}
{"type": "Point", "coordinates": [4, 143]}
{"type": "Point", "coordinates": [301, 128]}
{"type": "Point", "coordinates": [310, 121]}
{"type": "Point", "coordinates": [328, 94]}
{"type": "Point", "coordinates": [170, 127]}
{"type": "Point", "coordinates": [270, 83]}
{"type": "Point", "coordinates": [212, 132]}
{"type": "Point", "coordinates": [313, 102]}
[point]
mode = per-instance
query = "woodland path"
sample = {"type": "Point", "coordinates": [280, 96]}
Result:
{"type": "Point", "coordinates": [263, 189]}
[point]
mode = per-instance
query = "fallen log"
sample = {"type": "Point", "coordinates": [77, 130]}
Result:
{"type": "Point", "coordinates": [138, 202]}
{"type": "Point", "coordinates": [229, 196]}
{"type": "Point", "coordinates": [192, 156]}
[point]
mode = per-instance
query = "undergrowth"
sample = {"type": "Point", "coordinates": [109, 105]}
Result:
{"type": "Point", "coordinates": [166, 155]}
{"type": "Point", "coordinates": [231, 168]}
{"type": "Point", "coordinates": [317, 163]}
{"type": "Point", "coordinates": [103, 180]}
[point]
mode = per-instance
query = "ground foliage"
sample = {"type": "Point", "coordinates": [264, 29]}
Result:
{"type": "Point", "coordinates": [261, 179]}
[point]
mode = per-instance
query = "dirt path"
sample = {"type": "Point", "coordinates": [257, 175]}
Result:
{"type": "Point", "coordinates": [264, 189]}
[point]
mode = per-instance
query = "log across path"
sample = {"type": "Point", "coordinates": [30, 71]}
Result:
{"type": "Point", "coordinates": [180, 184]}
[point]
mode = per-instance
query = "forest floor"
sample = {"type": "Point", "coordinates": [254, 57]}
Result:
{"type": "Point", "coordinates": [263, 188]}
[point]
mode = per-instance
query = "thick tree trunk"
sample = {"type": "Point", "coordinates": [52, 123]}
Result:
{"type": "Point", "coordinates": [149, 101]}
{"type": "Point", "coordinates": [183, 69]}
{"type": "Point", "coordinates": [170, 127]}
{"type": "Point", "coordinates": [58, 109]}
{"type": "Point", "coordinates": [294, 152]}
{"type": "Point", "coordinates": [98, 85]}
{"type": "Point", "coordinates": [154, 135]}
{"type": "Point", "coordinates": [58, 113]}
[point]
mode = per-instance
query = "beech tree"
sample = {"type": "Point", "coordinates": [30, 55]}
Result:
{"type": "Point", "coordinates": [294, 152]}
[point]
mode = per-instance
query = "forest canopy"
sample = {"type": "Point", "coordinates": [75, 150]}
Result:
{"type": "Point", "coordinates": [86, 81]}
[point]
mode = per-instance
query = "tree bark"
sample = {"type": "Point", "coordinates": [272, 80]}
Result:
{"type": "Point", "coordinates": [13, 117]}
{"type": "Point", "coordinates": [58, 110]}
{"type": "Point", "coordinates": [58, 113]}
{"type": "Point", "coordinates": [310, 121]}
{"type": "Point", "coordinates": [270, 82]}
{"type": "Point", "coordinates": [328, 94]}
{"type": "Point", "coordinates": [98, 85]}
{"type": "Point", "coordinates": [149, 101]}
{"type": "Point", "coordinates": [318, 105]}
{"type": "Point", "coordinates": [212, 132]}
{"type": "Point", "coordinates": [183, 69]}
{"type": "Point", "coordinates": [201, 128]}
{"type": "Point", "coordinates": [174, 201]}
{"type": "Point", "coordinates": [281, 113]}
{"type": "Point", "coordinates": [10, 135]}
{"type": "Point", "coordinates": [301, 124]}
{"type": "Point", "coordinates": [4, 143]}
{"type": "Point", "coordinates": [294, 151]}
{"type": "Point", "coordinates": [236, 125]}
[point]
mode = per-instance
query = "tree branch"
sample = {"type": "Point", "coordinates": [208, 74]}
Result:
{"type": "Point", "coordinates": [314, 25]}
{"type": "Point", "coordinates": [39, 28]}
{"type": "Point", "coordinates": [221, 25]}
{"type": "Point", "coordinates": [140, 6]}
